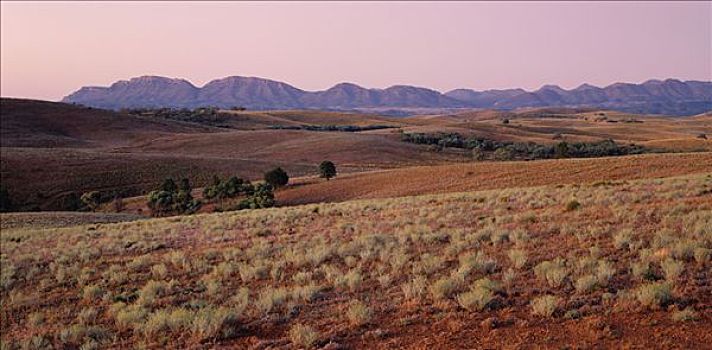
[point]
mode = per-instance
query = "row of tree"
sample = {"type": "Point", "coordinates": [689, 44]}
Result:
{"type": "Point", "coordinates": [503, 150]}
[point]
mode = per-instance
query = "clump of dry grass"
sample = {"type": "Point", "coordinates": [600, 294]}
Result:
{"type": "Point", "coordinates": [358, 313]}
{"type": "Point", "coordinates": [654, 294]}
{"type": "Point", "coordinates": [545, 306]}
{"type": "Point", "coordinates": [303, 335]}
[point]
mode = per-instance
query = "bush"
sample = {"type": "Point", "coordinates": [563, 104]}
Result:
{"type": "Point", "coordinates": [573, 205]}
{"type": "Point", "coordinates": [545, 306]}
{"type": "Point", "coordinates": [654, 294]}
{"type": "Point", "coordinates": [327, 170]}
{"type": "Point", "coordinates": [302, 335]}
{"type": "Point", "coordinates": [685, 315]}
{"type": "Point", "coordinates": [277, 177]}
{"type": "Point", "coordinates": [91, 200]}
{"type": "Point", "coordinates": [586, 283]}
{"type": "Point", "coordinates": [358, 313]}
{"type": "Point", "coordinates": [171, 199]}
{"type": "Point", "coordinates": [5, 201]}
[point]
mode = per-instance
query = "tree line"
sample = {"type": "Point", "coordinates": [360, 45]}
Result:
{"type": "Point", "coordinates": [483, 149]}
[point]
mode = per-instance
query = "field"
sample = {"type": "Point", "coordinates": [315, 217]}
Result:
{"type": "Point", "coordinates": [604, 264]}
{"type": "Point", "coordinates": [409, 246]}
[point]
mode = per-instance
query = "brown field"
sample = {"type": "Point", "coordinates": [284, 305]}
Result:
{"type": "Point", "coordinates": [614, 264]}
{"type": "Point", "coordinates": [492, 175]}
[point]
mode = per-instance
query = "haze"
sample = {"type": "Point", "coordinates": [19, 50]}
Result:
{"type": "Point", "coordinates": [52, 49]}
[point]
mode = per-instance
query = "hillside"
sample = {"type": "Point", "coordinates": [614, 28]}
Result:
{"type": "Point", "coordinates": [29, 123]}
{"type": "Point", "coordinates": [668, 97]}
{"type": "Point", "coordinates": [587, 265]}
{"type": "Point", "coordinates": [492, 175]}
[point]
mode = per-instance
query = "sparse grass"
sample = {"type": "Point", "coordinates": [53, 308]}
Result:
{"type": "Point", "coordinates": [434, 257]}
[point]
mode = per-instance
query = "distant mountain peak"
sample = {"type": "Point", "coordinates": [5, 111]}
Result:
{"type": "Point", "coordinates": [670, 96]}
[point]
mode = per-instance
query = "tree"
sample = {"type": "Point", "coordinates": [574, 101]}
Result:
{"type": "Point", "coordinates": [169, 185]}
{"type": "Point", "coordinates": [562, 149]}
{"type": "Point", "coordinates": [262, 197]}
{"type": "Point", "coordinates": [327, 169]}
{"type": "Point", "coordinates": [5, 201]}
{"type": "Point", "coordinates": [170, 198]}
{"type": "Point", "coordinates": [277, 177]}
{"type": "Point", "coordinates": [91, 199]}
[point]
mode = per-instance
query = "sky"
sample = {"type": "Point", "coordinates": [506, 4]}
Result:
{"type": "Point", "coordinates": [50, 49]}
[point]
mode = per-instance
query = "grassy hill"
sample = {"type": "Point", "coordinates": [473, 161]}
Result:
{"type": "Point", "coordinates": [607, 264]}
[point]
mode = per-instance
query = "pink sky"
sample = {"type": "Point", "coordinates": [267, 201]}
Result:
{"type": "Point", "coordinates": [51, 49]}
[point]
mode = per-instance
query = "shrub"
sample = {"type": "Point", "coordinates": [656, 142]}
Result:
{"type": "Point", "coordinates": [702, 254]}
{"type": "Point", "coordinates": [586, 283]}
{"type": "Point", "coordinates": [327, 169]}
{"type": "Point", "coordinates": [358, 313]}
{"type": "Point", "coordinates": [277, 177]}
{"type": "Point", "coordinates": [269, 298]}
{"type": "Point", "coordinates": [5, 201]}
{"type": "Point", "coordinates": [476, 299]}
{"type": "Point", "coordinates": [688, 314]}
{"type": "Point", "coordinates": [302, 335]}
{"type": "Point", "coordinates": [442, 288]}
{"type": "Point", "coordinates": [518, 257]}
{"type": "Point", "coordinates": [87, 316]}
{"type": "Point", "coordinates": [642, 271]}
{"type": "Point", "coordinates": [573, 205]}
{"type": "Point", "coordinates": [622, 239]}
{"type": "Point", "coordinates": [213, 323]}
{"type": "Point", "coordinates": [545, 306]}
{"type": "Point", "coordinates": [91, 200]}
{"type": "Point", "coordinates": [553, 272]}
{"type": "Point", "coordinates": [654, 294]}
{"type": "Point", "coordinates": [92, 292]}
{"type": "Point", "coordinates": [672, 268]}
{"type": "Point", "coordinates": [414, 289]}
{"type": "Point", "coordinates": [605, 272]}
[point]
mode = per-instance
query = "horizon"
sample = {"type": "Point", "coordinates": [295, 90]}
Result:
{"type": "Point", "coordinates": [442, 47]}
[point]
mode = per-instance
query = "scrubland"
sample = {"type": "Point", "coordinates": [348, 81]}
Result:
{"type": "Point", "coordinates": [601, 264]}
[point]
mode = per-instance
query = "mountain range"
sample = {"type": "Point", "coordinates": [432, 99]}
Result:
{"type": "Point", "coordinates": [670, 96]}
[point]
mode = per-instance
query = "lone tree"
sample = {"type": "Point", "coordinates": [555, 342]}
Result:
{"type": "Point", "coordinates": [91, 199]}
{"type": "Point", "coordinates": [327, 169]}
{"type": "Point", "coordinates": [277, 177]}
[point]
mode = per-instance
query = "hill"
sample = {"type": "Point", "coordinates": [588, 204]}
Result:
{"type": "Point", "coordinates": [29, 123]}
{"type": "Point", "coordinates": [670, 97]}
